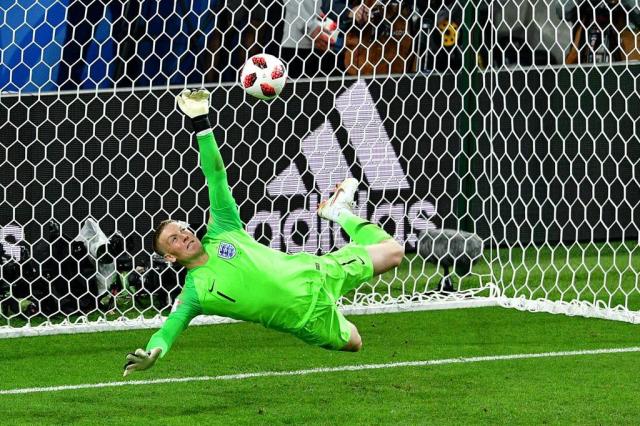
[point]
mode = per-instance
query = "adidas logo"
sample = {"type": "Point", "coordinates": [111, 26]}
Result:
{"type": "Point", "coordinates": [299, 229]}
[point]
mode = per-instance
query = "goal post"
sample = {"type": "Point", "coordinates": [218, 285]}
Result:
{"type": "Point", "coordinates": [565, 169]}
{"type": "Point", "coordinates": [539, 161]}
{"type": "Point", "coordinates": [136, 165]}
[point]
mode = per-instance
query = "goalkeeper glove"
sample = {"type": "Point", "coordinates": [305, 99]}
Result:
{"type": "Point", "coordinates": [141, 360]}
{"type": "Point", "coordinates": [195, 104]}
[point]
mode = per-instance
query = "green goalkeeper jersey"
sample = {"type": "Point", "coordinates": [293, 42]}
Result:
{"type": "Point", "coordinates": [242, 278]}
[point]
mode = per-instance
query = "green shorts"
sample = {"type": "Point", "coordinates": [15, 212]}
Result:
{"type": "Point", "coordinates": [345, 270]}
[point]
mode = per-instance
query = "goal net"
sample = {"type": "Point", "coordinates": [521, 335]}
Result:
{"type": "Point", "coordinates": [469, 120]}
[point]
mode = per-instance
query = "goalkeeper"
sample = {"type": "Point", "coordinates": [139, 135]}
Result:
{"type": "Point", "coordinates": [232, 275]}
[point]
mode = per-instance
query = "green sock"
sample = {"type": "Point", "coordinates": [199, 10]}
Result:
{"type": "Point", "coordinates": [360, 230]}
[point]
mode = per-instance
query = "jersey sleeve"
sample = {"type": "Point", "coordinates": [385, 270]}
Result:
{"type": "Point", "coordinates": [187, 307]}
{"type": "Point", "coordinates": [223, 208]}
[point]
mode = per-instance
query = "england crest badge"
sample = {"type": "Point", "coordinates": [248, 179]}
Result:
{"type": "Point", "coordinates": [226, 250]}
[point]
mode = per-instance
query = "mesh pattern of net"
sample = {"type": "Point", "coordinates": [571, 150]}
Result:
{"type": "Point", "coordinates": [505, 120]}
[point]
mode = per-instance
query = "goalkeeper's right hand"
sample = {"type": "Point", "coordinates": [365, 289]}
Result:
{"type": "Point", "coordinates": [194, 102]}
{"type": "Point", "coordinates": [141, 360]}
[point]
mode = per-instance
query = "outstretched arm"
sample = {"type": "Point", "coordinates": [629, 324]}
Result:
{"type": "Point", "coordinates": [195, 105]}
{"type": "Point", "coordinates": [185, 309]}
{"type": "Point", "coordinates": [213, 168]}
{"type": "Point", "coordinates": [224, 211]}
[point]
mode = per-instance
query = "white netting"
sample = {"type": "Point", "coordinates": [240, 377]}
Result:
{"type": "Point", "coordinates": [516, 121]}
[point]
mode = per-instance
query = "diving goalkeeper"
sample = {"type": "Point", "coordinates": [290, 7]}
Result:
{"type": "Point", "coordinates": [232, 275]}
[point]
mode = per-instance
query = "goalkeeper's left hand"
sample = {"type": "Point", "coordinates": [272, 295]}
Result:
{"type": "Point", "coordinates": [194, 102]}
{"type": "Point", "coordinates": [141, 360]}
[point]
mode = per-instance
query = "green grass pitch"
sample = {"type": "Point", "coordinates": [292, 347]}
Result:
{"type": "Point", "coordinates": [585, 389]}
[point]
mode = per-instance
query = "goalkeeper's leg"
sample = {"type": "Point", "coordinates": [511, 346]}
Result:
{"type": "Point", "coordinates": [355, 341]}
{"type": "Point", "coordinates": [385, 252]}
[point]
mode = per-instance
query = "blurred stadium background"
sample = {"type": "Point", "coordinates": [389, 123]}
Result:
{"type": "Point", "coordinates": [516, 121]}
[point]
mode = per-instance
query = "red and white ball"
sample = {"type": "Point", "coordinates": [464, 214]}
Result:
{"type": "Point", "coordinates": [263, 76]}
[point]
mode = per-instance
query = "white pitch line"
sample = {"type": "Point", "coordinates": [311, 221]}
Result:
{"type": "Point", "coordinates": [322, 370]}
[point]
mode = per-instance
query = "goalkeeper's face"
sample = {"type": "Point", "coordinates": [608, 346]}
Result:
{"type": "Point", "coordinates": [179, 244]}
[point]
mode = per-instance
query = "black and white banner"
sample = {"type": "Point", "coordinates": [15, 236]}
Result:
{"type": "Point", "coordinates": [126, 159]}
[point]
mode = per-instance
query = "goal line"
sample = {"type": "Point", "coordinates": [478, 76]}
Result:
{"type": "Point", "coordinates": [305, 372]}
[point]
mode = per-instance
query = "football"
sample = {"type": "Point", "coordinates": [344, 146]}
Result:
{"type": "Point", "coordinates": [263, 76]}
